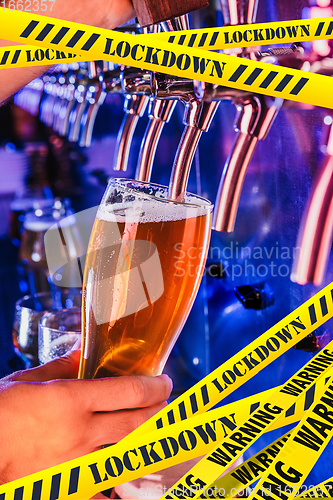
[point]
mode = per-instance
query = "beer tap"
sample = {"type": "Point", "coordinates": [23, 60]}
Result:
{"type": "Point", "coordinates": [159, 113]}
{"type": "Point", "coordinates": [94, 98]}
{"type": "Point", "coordinates": [239, 11]}
{"type": "Point", "coordinates": [197, 119]}
{"type": "Point", "coordinates": [171, 16]}
{"type": "Point", "coordinates": [134, 108]}
{"type": "Point", "coordinates": [62, 122]}
{"type": "Point", "coordinates": [79, 106]}
{"type": "Point", "coordinates": [315, 235]}
{"type": "Point", "coordinates": [255, 115]}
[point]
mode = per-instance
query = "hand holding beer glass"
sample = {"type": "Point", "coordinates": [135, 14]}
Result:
{"type": "Point", "coordinates": [143, 269]}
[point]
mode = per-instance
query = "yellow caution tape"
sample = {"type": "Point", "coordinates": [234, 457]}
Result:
{"type": "Point", "coordinates": [250, 35]}
{"type": "Point", "coordinates": [151, 54]}
{"type": "Point", "coordinates": [322, 490]}
{"type": "Point", "coordinates": [141, 453]}
{"type": "Point", "coordinates": [288, 471]}
{"type": "Point", "coordinates": [201, 476]}
{"type": "Point", "coordinates": [237, 480]}
{"type": "Point", "coordinates": [32, 56]}
{"type": "Point", "coordinates": [226, 37]}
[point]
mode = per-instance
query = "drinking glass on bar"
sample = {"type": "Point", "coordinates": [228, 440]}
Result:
{"type": "Point", "coordinates": [58, 333]}
{"type": "Point", "coordinates": [143, 269]}
{"type": "Point", "coordinates": [28, 312]}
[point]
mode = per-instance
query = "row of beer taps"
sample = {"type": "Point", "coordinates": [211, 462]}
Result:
{"type": "Point", "coordinates": [68, 100]}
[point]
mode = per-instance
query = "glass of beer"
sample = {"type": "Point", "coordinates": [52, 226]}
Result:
{"type": "Point", "coordinates": [143, 269]}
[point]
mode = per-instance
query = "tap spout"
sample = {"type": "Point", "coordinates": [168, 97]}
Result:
{"type": "Point", "coordinates": [255, 117]}
{"type": "Point", "coordinates": [198, 117]}
{"type": "Point", "coordinates": [159, 114]}
{"type": "Point", "coordinates": [315, 236]}
{"type": "Point", "coordinates": [134, 107]}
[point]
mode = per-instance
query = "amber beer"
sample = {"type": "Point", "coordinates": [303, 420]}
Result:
{"type": "Point", "coordinates": [140, 341]}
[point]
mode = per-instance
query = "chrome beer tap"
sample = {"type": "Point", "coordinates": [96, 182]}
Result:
{"type": "Point", "coordinates": [62, 122]}
{"type": "Point", "coordinates": [197, 119]}
{"type": "Point", "coordinates": [94, 98]}
{"type": "Point", "coordinates": [134, 106]}
{"type": "Point", "coordinates": [80, 92]}
{"type": "Point", "coordinates": [159, 113]}
{"type": "Point", "coordinates": [255, 115]}
{"type": "Point", "coordinates": [315, 235]}
{"type": "Point", "coordinates": [171, 16]}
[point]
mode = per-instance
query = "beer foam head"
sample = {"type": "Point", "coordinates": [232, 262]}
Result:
{"type": "Point", "coordinates": [151, 210]}
{"type": "Point", "coordinates": [35, 224]}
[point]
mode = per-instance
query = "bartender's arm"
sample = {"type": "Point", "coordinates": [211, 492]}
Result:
{"type": "Point", "coordinates": [105, 14]}
{"type": "Point", "coordinates": [47, 416]}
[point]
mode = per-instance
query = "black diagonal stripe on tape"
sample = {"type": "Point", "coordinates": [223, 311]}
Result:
{"type": "Point", "coordinates": [327, 379]}
{"type": "Point", "coordinates": [214, 38]}
{"type": "Point", "coordinates": [253, 407]}
{"type": "Point", "coordinates": [298, 87]}
{"type": "Point", "coordinates": [181, 39]}
{"type": "Point", "coordinates": [291, 410]}
{"type": "Point", "coordinates": [90, 42]}
{"type": "Point", "coordinates": [329, 29]}
{"type": "Point", "coordinates": [159, 423]}
{"type": "Point", "coordinates": [268, 80]}
{"type": "Point", "coordinates": [2, 496]}
{"type": "Point", "coordinates": [323, 305]}
{"type": "Point", "coordinates": [60, 35]}
{"type": "Point", "coordinates": [74, 480]}
{"type": "Point", "coordinates": [29, 29]}
{"type": "Point", "coordinates": [171, 39]}
{"type": "Point", "coordinates": [4, 57]}
{"type": "Point", "coordinates": [332, 294]}
{"type": "Point", "coordinates": [313, 316]}
{"type": "Point", "coordinates": [319, 29]}
{"type": "Point", "coordinates": [16, 56]}
{"type": "Point", "coordinates": [75, 38]}
{"type": "Point", "coordinates": [284, 82]}
{"type": "Point", "coordinates": [202, 40]}
{"type": "Point", "coordinates": [254, 75]}
{"type": "Point", "coordinates": [55, 486]}
{"type": "Point", "coordinates": [182, 410]}
{"type": "Point", "coordinates": [37, 490]}
{"type": "Point", "coordinates": [309, 397]}
{"type": "Point", "coordinates": [192, 40]}
{"type": "Point", "coordinates": [171, 417]}
{"type": "Point", "coordinates": [18, 495]}
{"type": "Point", "coordinates": [194, 403]}
{"type": "Point", "coordinates": [45, 31]}
{"type": "Point", "coordinates": [204, 394]}
{"type": "Point", "coordinates": [238, 73]}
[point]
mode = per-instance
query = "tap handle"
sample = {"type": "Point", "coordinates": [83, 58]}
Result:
{"type": "Point", "coordinates": [156, 11]}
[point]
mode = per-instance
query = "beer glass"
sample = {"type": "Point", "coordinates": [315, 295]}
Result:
{"type": "Point", "coordinates": [28, 312]}
{"type": "Point", "coordinates": [143, 268]}
{"type": "Point", "coordinates": [58, 333]}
